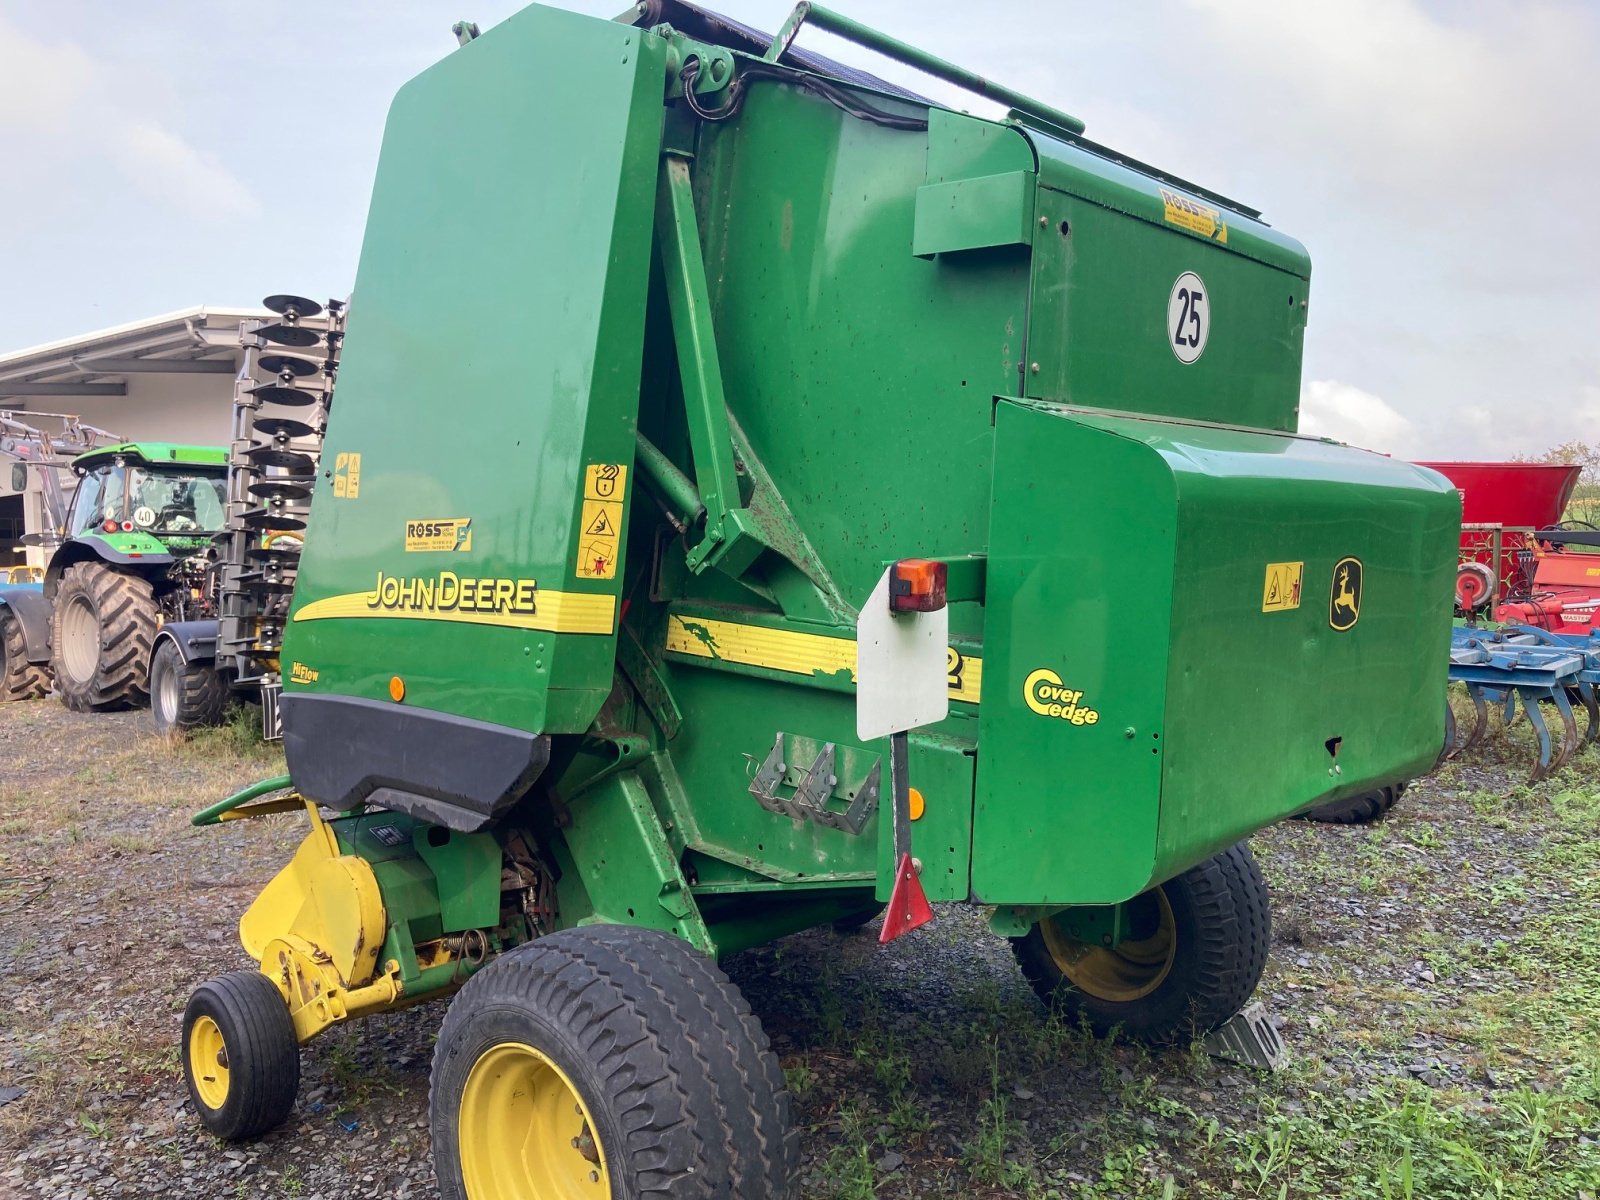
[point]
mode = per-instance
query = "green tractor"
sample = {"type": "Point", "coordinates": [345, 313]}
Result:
{"type": "Point", "coordinates": [139, 528]}
{"type": "Point", "coordinates": [864, 503]}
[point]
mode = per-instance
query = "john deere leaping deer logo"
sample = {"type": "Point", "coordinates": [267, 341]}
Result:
{"type": "Point", "coordinates": [1344, 598]}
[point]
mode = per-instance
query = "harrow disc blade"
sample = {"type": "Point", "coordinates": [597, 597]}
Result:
{"type": "Point", "coordinates": [293, 307]}
{"type": "Point", "coordinates": [290, 335]}
{"type": "Point", "coordinates": [289, 364]}
{"type": "Point", "coordinates": [272, 489]}
{"type": "Point", "coordinates": [296, 464]}
{"type": "Point", "coordinates": [289, 397]}
{"type": "Point", "coordinates": [278, 521]}
{"type": "Point", "coordinates": [286, 427]}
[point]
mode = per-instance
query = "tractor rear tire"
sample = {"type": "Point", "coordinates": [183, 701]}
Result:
{"type": "Point", "coordinates": [1199, 947]}
{"type": "Point", "coordinates": [19, 678]}
{"type": "Point", "coordinates": [102, 627]}
{"type": "Point", "coordinates": [184, 695]}
{"type": "Point", "coordinates": [613, 1058]}
{"type": "Point", "coordinates": [1357, 810]}
{"type": "Point", "coordinates": [240, 1057]}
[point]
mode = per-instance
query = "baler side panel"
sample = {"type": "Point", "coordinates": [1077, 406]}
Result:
{"type": "Point", "coordinates": [1256, 699]}
{"type": "Point", "coordinates": [503, 279]}
{"type": "Point", "coordinates": [1079, 592]}
{"type": "Point", "coordinates": [1097, 327]}
{"type": "Point", "coordinates": [861, 374]}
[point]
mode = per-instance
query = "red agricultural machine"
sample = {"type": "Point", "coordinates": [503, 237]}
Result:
{"type": "Point", "coordinates": [1509, 512]}
{"type": "Point", "coordinates": [1537, 577]}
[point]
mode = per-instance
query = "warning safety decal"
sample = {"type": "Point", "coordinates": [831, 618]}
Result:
{"type": "Point", "coordinates": [1282, 588]}
{"type": "Point", "coordinates": [600, 528]}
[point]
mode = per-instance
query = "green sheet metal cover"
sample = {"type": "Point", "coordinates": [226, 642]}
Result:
{"type": "Point", "coordinates": [1165, 669]}
{"type": "Point", "coordinates": [503, 275]}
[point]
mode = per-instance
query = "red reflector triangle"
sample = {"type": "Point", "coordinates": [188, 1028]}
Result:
{"type": "Point", "coordinates": [908, 903]}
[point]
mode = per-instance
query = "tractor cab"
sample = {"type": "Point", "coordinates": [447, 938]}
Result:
{"type": "Point", "coordinates": [176, 495]}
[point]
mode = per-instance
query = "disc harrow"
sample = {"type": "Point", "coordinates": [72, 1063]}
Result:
{"type": "Point", "coordinates": [273, 460]}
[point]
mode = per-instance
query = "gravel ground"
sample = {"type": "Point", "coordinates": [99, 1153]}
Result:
{"type": "Point", "coordinates": [1434, 977]}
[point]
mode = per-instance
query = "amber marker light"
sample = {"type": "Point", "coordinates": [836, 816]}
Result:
{"type": "Point", "coordinates": [916, 803]}
{"type": "Point", "coordinates": [917, 585]}
{"type": "Point", "coordinates": [397, 688]}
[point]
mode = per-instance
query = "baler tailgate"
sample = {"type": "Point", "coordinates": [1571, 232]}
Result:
{"type": "Point", "coordinates": [1233, 625]}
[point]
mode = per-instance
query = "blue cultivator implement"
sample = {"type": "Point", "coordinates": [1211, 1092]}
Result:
{"type": "Point", "coordinates": [1501, 666]}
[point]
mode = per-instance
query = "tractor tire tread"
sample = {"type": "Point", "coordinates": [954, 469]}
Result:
{"type": "Point", "coordinates": [685, 1076]}
{"type": "Point", "coordinates": [19, 678]}
{"type": "Point", "coordinates": [203, 693]}
{"type": "Point", "coordinates": [263, 1055]}
{"type": "Point", "coordinates": [1357, 810]}
{"type": "Point", "coordinates": [126, 610]}
{"type": "Point", "coordinates": [1224, 901]}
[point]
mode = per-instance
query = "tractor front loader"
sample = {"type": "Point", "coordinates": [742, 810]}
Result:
{"type": "Point", "coordinates": [747, 354]}
{"type": "Point", "coordinates": [43, 455]}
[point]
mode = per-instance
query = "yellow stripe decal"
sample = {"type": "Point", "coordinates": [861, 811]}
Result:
{"type": "Point", "coordinates": [553, 612]}
{"type": "Point", "coordinates": [797, 653]}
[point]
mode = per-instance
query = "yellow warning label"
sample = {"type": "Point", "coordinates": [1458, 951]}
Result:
{"type": "Point", "coordinates": [1190, 214]}
{"type": "Point", "coordinates": [442, 533]}
{"type": "Point", "coordinates": [600, 527]}
{"type": "Point", "coordinates": [347, 475]}
{"type": "Point", "coordinates": [604, 481]}
{"type": "Point", "coordinates": [1282, 588]}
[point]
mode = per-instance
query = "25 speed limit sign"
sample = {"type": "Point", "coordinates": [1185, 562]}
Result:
{"type": "Point", "coordinates": [1188, 317]}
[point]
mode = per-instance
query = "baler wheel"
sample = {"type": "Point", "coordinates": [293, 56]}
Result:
{"type": "Point", "coordinates": [240, 1057]}
{"type": "Point", "coordinates": [184, 695]}
{"type": "Point", "coordinates": [103, 624]}
{"type": "Point", "coordinates": [856, 920]}
{"type": "Point", "coordinates": [1197, 949]}
{"type": "Point", "coordinates": [606, 1061]}
{"type": "Point", "coordinates": [19, 678]}
{"type": "Point", "coordinates": [1357, 810]}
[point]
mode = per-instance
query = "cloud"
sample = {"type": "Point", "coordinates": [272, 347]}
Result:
{"type": "Point", "coordinates": [1345, 413]}
{"type": "Point", "coordinates": [170, 169]}
{"type": "Point", "coordinates": [59, 106]}
{"type": "Point", "coordinates": [1407, 99]}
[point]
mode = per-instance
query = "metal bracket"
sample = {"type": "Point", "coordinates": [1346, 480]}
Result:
{"type": "Point", "coordinates": [811, 794]}
{"type": "Point", "coordinates": [1249, 1038]}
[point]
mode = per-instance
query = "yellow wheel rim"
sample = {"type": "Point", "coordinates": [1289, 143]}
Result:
{"type": "Point", "coordinates": [208, 1062]}
{"type": "Point", "coordinates": [525, 1133]}
{"type": "Point", "coordinates": [1124, 973]}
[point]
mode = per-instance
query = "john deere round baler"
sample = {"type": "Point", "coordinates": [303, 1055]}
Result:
{"type": "Point", "coordinates": [667, 341]}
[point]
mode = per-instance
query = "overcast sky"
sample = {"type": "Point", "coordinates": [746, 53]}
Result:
{"type": "Point", "coordinates": [1439, 158]}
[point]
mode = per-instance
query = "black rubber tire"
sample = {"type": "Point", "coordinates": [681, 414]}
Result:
{"type": "Point", "coordinates": [857, 920]}
{"type": "Point", "coordinates": [1357, 810]}
{"type": "Point", "coordinates": [184, 695]}
{"type": "Point", "coordinates": [263, 1056]}
{"type": "Point", "coordinates": [1223, 930]}
{"type": "Point", "coordinates": [19, 678]}
{"type": "Point", "coordinates": [686, 1098]}
{"type": "Point", "coordinates": [125, 613]}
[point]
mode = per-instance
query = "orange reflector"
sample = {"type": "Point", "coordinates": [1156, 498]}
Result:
{"type": "Point", "coordinates": [917, 804]}
{"type": "Point", "coordinates": [917, 585]}
{"type": "Point", "coordinates": [397, 688]}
